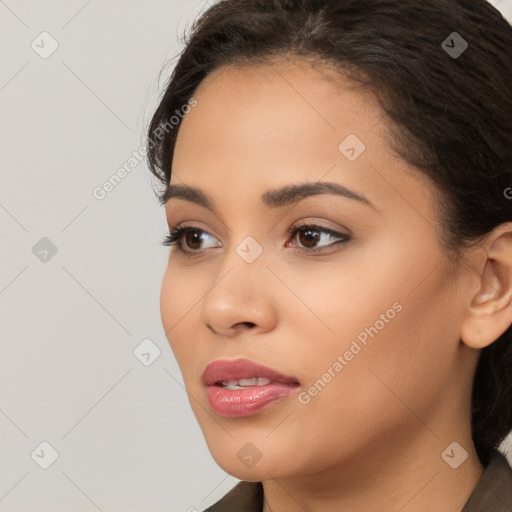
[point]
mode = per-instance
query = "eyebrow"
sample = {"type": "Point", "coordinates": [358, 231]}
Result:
{"type": "Point", "coordinates": [272, 199]}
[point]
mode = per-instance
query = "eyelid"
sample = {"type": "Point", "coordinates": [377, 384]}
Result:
{"type": "Point", "coordinates": [320, 224]}
{"type": "Point", "coordinates": [192, 226]}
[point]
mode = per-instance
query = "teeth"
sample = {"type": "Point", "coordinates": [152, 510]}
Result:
{"type": "Point", "coordinates": [241, 383]}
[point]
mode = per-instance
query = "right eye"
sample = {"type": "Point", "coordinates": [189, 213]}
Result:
{"type": "Point", "coordinates": [191, 236]}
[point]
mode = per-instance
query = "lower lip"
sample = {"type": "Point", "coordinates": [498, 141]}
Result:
{"type": "Point", "coordinates": [247, 401]}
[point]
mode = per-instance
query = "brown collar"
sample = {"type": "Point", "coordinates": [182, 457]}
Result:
{"type": "Point", "coordinates": [244, 497]}
{"type": "Point", "coordinates": [493, 492]}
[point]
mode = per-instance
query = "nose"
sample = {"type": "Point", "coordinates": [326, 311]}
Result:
{"type": "Point", "coordinates": [240, 326]}
{"type": "Point", "coordinates": [240, 300]}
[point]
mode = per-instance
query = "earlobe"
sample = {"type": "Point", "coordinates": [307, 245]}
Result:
{"type": "Point", "coordinates": [489, 314]}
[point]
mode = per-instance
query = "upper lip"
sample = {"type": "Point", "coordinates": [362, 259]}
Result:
{"type": "Point", "coordinates": [224, 369]}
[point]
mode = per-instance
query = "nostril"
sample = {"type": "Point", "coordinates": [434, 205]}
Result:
{"type": "Point", "coordinates": [249, 324]}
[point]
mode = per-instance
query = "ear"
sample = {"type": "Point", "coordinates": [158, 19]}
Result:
{"type": "Point", "coordinates": [489, 314]}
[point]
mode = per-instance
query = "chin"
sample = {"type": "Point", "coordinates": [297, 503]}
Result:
{"type": "Point", "coordinates": [261, 470]}
{"type": "Point", "coordinates": [254, 459]}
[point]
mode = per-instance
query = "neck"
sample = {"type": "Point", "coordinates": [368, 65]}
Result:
{"type": "Point", "coordinates": [391, 475]}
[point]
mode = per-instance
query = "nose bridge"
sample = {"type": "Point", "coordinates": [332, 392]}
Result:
{"type": "Point", "coordinates": [239, 274]}
{"type": "Point", "coordinates": [238, 294]}
{"type": "Point", "coordinates": [246, 255]}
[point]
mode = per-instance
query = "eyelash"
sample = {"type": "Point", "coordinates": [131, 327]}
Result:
{"type": "Point", "coordinates": [175, 236]}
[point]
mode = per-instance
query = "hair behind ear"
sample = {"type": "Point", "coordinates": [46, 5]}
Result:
{"type": "Point", "coordinates": [491, 403]}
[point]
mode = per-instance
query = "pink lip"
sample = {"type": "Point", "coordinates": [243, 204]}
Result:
{"type": "Point", "coordinates": [224, 369]}
{"type": "Point", "coordinates": [251, 399]}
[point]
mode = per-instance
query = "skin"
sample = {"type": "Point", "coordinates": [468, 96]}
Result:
{"type": "Point", "coordinates": [372, 438]}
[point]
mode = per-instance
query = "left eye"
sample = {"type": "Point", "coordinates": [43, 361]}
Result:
{"type": "Point", "coordinates": [310, 236]}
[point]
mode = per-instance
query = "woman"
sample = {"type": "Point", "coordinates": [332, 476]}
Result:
{"type": "Point", "coordinates": [337, 180]}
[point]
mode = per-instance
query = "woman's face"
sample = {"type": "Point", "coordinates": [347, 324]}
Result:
{"type": "Point", "coordinates": [361, 309]}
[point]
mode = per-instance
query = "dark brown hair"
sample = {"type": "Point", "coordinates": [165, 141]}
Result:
{"type": "Point", "coordinates": [450, 114]}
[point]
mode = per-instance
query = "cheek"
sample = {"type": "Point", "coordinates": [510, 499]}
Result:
{"type": "Point", "coordinates": [168, 302]}
{"type": "Point", "coordinates": [390, 321]}
{"type": "Point", "coordinates": [375, 393]}
{"type": "Point", "coordinates": [176, 308]}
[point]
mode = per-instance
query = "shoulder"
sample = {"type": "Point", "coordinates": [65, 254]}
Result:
{"type": "Point", "coordinates": [244, 497]}
{"type": "Point", "coordinates": [493, 492]}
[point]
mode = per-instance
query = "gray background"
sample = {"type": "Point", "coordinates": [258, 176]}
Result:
{"type": "Point", "coordinates": [122, 426]}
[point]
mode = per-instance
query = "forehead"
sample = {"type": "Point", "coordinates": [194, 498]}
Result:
{"type": "Point", "coordinates": [287, 90]}
{"type": "Point", "coordinates": [261, 127]}
{"type": "Point", "coordinates": [273, 114]}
